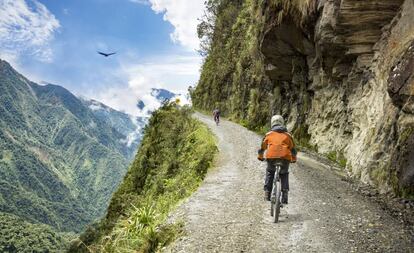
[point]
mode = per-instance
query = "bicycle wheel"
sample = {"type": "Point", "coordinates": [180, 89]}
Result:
{"type": "Point", "coordinates": [272, 205]}
{"type": "Point", "coordinates": [277, 203]}
{"type": "Point", "coordinates": [273, 196]}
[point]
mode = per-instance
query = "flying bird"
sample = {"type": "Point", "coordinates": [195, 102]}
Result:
{"type": "Point", "coordinates": [105, 54]}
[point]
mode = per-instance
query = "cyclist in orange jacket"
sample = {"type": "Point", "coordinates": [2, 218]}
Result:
{"type": "Point", "coordinates": [279, 147]}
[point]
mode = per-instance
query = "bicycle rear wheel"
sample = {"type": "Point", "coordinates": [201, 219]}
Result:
{"type": "Point", "coordinates": [274, 197]}
{"type": "Point", "coordinates": [272, 205]}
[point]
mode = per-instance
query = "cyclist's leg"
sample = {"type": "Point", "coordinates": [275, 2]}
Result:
{"type": "Point", "coordinates": [284, 178]}
{"type": "Point", "coordinates": [270, 174]}
{"type": "Point", "coordinates": [285, 187]}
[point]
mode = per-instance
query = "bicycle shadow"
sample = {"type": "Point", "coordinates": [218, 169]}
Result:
{"type": "Point", "coordinates": [292, 218]}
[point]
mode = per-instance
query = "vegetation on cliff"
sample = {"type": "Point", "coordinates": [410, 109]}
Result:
{"type": "Point", "coordinates": [232, 60]}
{"type": "Point", "coordinates": [233, 75]}
{"type": "Point", "coordinates": [173, 158]}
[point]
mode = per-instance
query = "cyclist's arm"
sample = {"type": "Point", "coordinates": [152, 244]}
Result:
{"type": "Point", "coordinates": [293, 149]}
{"type": "Point", "coordinates": [264, 144]}
{"type": "Point", "coordinates": [263, 147]}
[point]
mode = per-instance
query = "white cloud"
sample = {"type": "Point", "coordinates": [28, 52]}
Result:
{"type": "Point", "coordinates": [169, 72]}
{"type": "Point", "coordinates": [26, 27]}
{"type": "Point", "coordinates": [183, 15]}
{"type": "Point", "coordinates": [144, 2]}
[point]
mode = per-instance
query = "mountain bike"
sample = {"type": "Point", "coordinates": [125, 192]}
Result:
{"type": "Point", "coordinates": [276, 195]}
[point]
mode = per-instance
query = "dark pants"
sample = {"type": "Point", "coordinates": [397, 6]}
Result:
{"type": "Point", "coordinates": [270, 174]}
{"type": "Point", "coordinates": [217, 118]}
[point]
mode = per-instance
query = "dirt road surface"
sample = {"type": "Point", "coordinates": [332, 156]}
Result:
{"type": "Point", "coordinates": [228, 213]}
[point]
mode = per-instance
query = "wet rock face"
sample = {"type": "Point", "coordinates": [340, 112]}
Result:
{"type": "Point", "coordinates": [401, 81]}
{"type": "Point", "coordinates": [354, 89]}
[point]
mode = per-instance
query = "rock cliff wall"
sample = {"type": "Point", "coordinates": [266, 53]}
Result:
{"type": "Point", "coordinates": [340, 71]}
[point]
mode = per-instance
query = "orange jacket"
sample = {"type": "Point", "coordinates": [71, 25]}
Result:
{"type": "Point", "coordinates": [279, 144]}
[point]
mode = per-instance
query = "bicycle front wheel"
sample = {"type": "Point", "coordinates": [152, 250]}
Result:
{"type": "Point", "coordinates": [276, 209]}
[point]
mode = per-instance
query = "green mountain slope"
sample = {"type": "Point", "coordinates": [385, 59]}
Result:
{"type": "Point", "coordinates": [59, 162]}
{"type": "Point", "coordinates": [173, 158]}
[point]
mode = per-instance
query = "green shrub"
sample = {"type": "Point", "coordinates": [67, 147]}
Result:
{"type": "Point", "coordinates": [332, 156]}
{"type": "Point", "coordinates": [337, 157]}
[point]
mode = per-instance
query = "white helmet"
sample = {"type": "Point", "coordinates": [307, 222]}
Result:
{"type": "Point", "coordinates": [277, 120]}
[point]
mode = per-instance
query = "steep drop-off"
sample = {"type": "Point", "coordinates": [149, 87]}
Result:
{"type": "Point", "coordinates": [172, 160]}
{"type": "Point", "coordinates": [340, 71]}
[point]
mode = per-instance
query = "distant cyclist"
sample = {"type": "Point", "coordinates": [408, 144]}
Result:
{"type": "Point", "coordinates": [216, 115]}
{"type": "Point", "coordinates": [280, 148]}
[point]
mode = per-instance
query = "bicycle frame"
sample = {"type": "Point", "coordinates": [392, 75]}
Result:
{"type": "Point", "coordinates": [276, 195]}
{"type": "Point", "coordinates": [276, 180]}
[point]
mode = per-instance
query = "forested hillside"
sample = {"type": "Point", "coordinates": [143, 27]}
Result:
{"type": "Point", "coordinates": [340, 72]}
{"type": "Point", "coordinates": [19, 236]}
{"type": "Point", "coordinates": [60, 161]}
{"type": "Point", "coordinates": [173, 158]}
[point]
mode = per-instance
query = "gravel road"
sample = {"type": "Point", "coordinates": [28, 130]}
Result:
{"type": "Point", "coordinates": [228, 214]}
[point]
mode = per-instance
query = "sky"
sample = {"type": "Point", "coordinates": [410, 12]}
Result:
{"type": "Point", "coordinates": [155, 41]}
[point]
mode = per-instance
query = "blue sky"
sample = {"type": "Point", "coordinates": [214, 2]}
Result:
{"type": "Point", "coordinates": [56, 41]}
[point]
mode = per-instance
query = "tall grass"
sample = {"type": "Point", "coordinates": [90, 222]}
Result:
{"type": "Point", "coordinates": [173, 159]}
{"type": "Point", "coordinates": [132, 232]}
